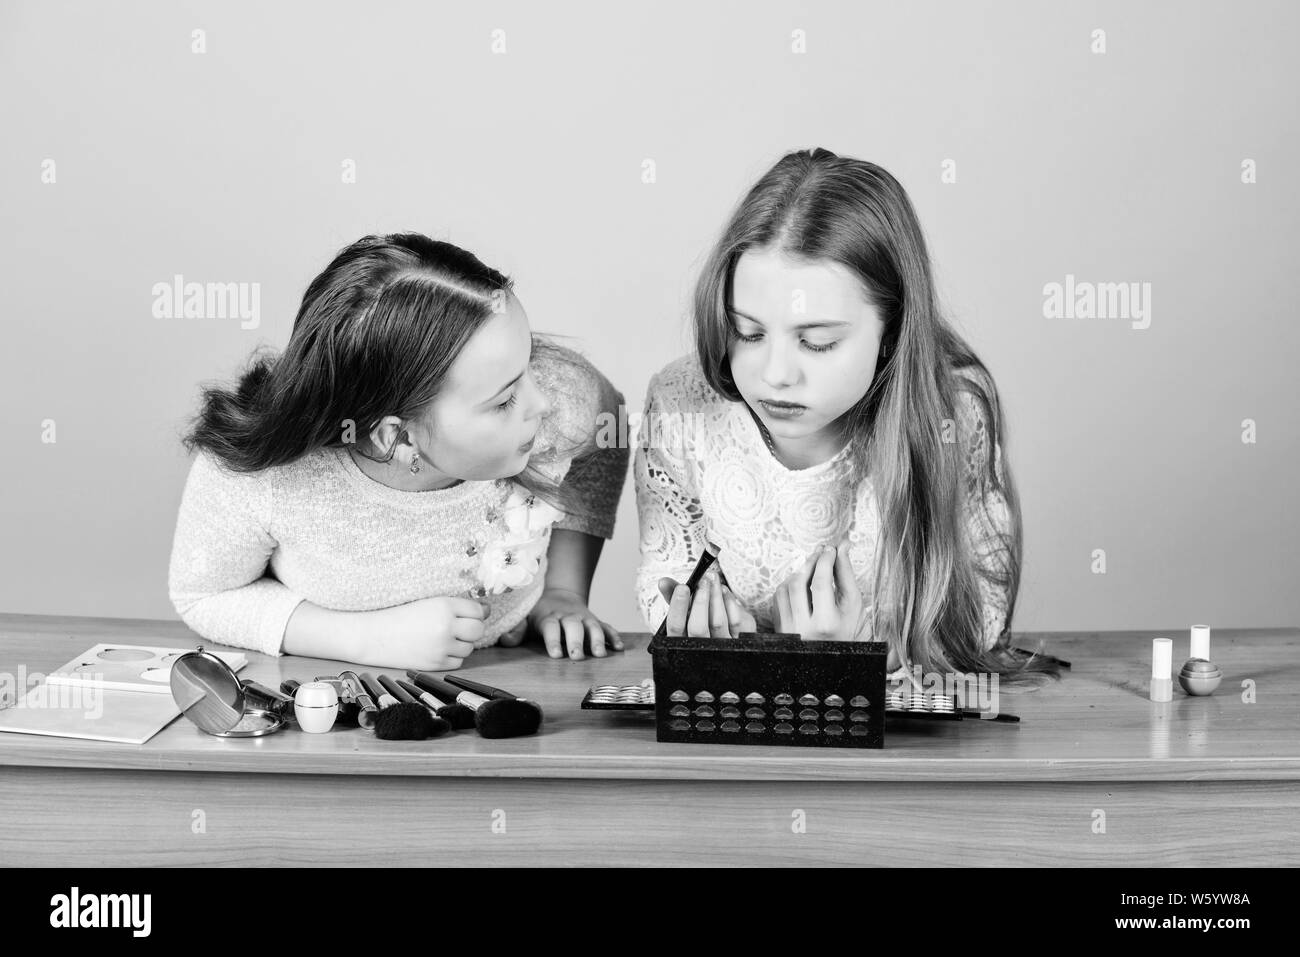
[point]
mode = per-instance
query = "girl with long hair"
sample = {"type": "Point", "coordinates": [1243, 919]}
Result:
{"type": "Point", "coordinates": [833, 440]}
{"type": "Point", "coordinates": [416, 476]}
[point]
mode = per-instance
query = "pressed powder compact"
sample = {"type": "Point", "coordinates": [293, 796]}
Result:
{"type": "Point", "coordinates": [211, 695]}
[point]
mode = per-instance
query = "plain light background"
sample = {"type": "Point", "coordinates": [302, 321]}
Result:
{"type": "Point", "coordinates": [225, 166]}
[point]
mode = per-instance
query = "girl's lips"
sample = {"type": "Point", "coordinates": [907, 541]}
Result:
{"type": "Point", "coordinates": [527, 446]}
{"type": "Point", "coordinates": [782, 410]}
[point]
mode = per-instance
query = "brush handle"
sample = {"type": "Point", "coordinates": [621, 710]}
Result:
{"type": "Point", "coordinates": [441, 689]}
{"type": "Point", "coordinates": [420, 694]}
{"type": "Point", "coordinates": [397, 691]}
{"type": "Point", "coordinates": [272, 701]}
{"type": "Point", "coordinates": [979, 716]}
{"type": "Point", "coordinates": [377, 692]}
{"type": "Point", "coordinates": [487, 691]}
{"type": "Point", "coordinates": [356, 691]}
{"type": "Point", "coordinates": [692, 583]}
{"type": "Point", "coordinates": [290, 686]}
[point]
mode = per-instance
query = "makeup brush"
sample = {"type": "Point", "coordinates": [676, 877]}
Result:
{"type": "Point", "coordinates": [355, 691]}
{"type": "Point", "coordinates": [408, 722]}
{"type": "Point", "coordinates": [406, 701]}
{"type": "Point", "coordinates": [706, 559]}
{"type": "Point", "coordinates": [487, 691]}
{"type": "Point", "coordinates": [459, 716]}
{"type": "Point", "coordinates": [493, 717]}
{"type": "Point", "coordinates": [264, 697]}
{"type": "Point", "coordinates": [377, 692]}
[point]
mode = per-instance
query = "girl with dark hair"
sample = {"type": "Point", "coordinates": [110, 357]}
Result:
{"type": "Point", "coordinates": [415, 477]}
{"type": "Point", "coordinates": [834, 440]}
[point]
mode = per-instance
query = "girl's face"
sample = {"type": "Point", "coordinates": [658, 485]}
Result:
{"type": "Point", "coordinates": [806, 342]}
{"type": "Point", "coordinates": [483, 422]}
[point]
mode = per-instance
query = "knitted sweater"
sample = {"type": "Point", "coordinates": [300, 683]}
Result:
{"type": "Point", "coordinates": [249, 547]}
{"type": "Point", "coordinates": [703, 473]}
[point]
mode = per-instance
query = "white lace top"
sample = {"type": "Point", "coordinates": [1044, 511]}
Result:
{"type": "Point", "coordinates": [704, 473]}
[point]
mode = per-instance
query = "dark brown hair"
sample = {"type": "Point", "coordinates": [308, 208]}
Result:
{"type": "Point", "coordinates": [376, 334]}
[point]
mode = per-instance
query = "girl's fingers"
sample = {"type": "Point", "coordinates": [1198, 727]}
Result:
{"type": "Point", "coordinates": [718, 624]}
{"type": "Point", "coordinates": [797, 589]}
{"type": "Point", "coordinates": [573, 634]}
{"type": "Point", "coordinates": [468, 608]}
{"type": "Point", "coordinates": [734, 613]}
{"type": "Point", "coordinates": [845, 579]}
{"type": "Point", "coordinates": [678, 609]}
{"type": "Point", "coordinates": [697, 626]}
{"type": "Point", "coordinates": [823, 582]}
{"type": "Point", "coordinates": [612, 638]}
{"type": "Point", "coordinates": [595, 637]}
{"type": "Point", "coordinates": [666, 588]}
{"type": "Point", "coordinates": [467, 629]}
{"type": "Point", "coordinates": [785, 621]}
{"type": "Point", "coordinates": [550, 630]}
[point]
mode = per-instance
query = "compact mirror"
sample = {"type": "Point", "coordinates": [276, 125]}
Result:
{"type": "Point", "coordinates": [211, 695]}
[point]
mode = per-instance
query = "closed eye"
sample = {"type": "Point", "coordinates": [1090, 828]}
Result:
{"type": "Point", "coordinates": [810, 346]}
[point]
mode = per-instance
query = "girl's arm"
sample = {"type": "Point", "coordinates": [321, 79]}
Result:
{"type": "Point", "coordinates": [217, 575]}
{"type": "Point", "coordinates": [595, 478]}
{"type": "Point", "coordinates": [571, 562]}
{"type": "Point", "coordinates": [590, 412]}
{"type": "Point", "coordinates": [668, 504]}
{"type": "Point", "coordinates": [219, 583]}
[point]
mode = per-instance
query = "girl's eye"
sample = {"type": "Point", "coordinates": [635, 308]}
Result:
{"type": "Point", "coordinates": [514, 397]}
{"type": "Point", "coordinates": [810, 346]}
{"type": "Point", "coordinates": [824, 347]}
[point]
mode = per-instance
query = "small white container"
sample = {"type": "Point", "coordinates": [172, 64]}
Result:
{"type": "Point", "coordinates": [316, 705]}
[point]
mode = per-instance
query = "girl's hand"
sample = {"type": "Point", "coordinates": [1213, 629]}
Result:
{"type": "Point", "coordinates": [563, 620]}
{"type": "Point", "coordinates": [714, 613]}
{"type": "Point", "coordinates": [431, 634]}
{"type": "Point", "coordinates": [821, 601]}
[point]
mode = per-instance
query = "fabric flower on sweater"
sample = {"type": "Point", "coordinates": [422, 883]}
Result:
{"type": "Point", "coordinates": [513, 560]}
{"type": "Point", "coordinates": [527, 515]}
{"type": "Point", "coordinates": [508, 564]}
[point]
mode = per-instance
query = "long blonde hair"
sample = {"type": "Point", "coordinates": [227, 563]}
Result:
{"type": "Point", "coordinates": [814, 205]}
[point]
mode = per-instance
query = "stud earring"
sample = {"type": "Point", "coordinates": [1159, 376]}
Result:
{"type": "Point", "coordinates": [415, 463]}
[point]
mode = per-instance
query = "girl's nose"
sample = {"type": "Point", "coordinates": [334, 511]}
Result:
{"type": "Point", "coordinates": [779, 372]}
{"type": "Point", "coordinates": [539, 403]}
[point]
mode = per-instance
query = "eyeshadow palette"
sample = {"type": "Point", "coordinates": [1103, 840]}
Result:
{"type": "Point", "coordinates": [769, 689]}
{"type": "Point", "coordinates": [898, 704]}
{"type": "Point", "coordinates": [621, 697]}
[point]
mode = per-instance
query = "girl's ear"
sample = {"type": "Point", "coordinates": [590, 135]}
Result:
{"type": "Point", "coordinates": [387, 437]}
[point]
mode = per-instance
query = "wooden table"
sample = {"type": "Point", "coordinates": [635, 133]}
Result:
{"type": "Point", "coordinates": [1094, 774]}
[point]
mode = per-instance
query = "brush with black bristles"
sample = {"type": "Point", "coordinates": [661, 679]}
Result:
{"type": "Point", "coordinates": [457, 715]}
{"type": "Point", "coordinates": [395, 722]}
{"type": "Point", "coordinates": [493, 717]}
{"type": "Point", "coordinates": [487, 691]}
{"type": "Point", "coordinates": [410, 718]}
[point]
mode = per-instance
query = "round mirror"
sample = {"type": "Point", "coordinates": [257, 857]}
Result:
{"type": "Point", "coordinates": [207, 691]}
